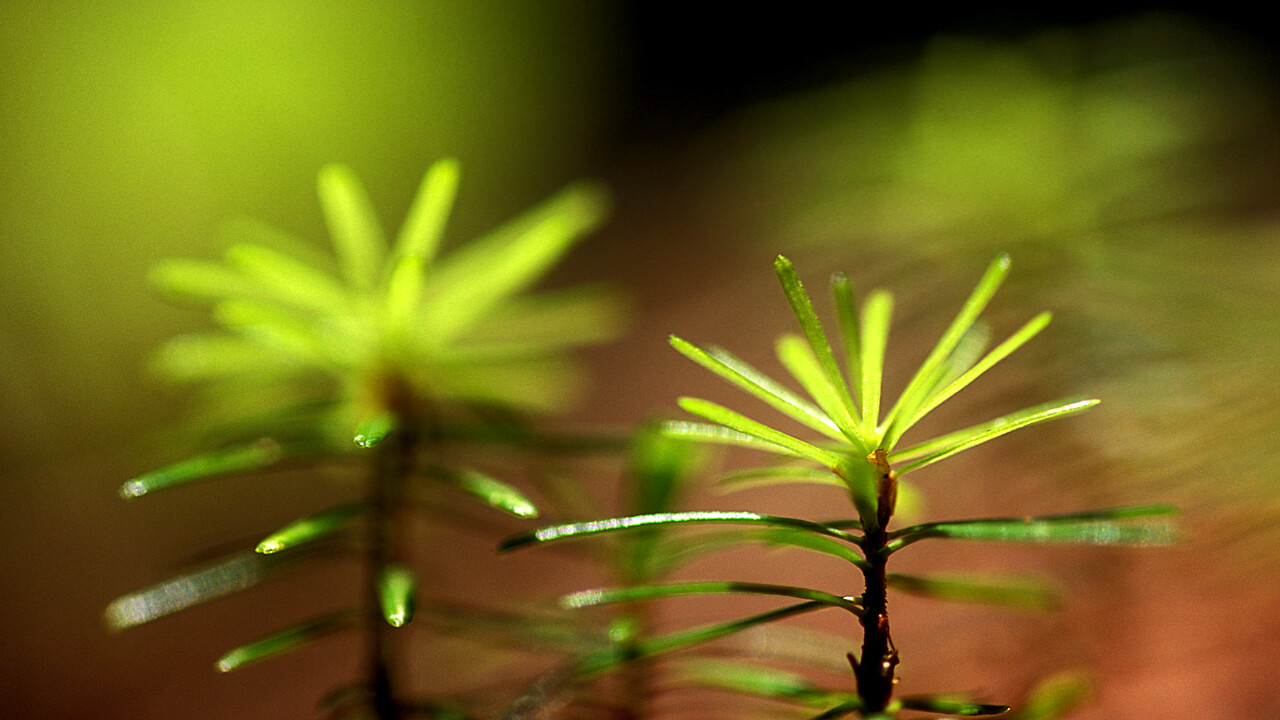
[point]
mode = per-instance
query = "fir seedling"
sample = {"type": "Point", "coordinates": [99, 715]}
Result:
{"type": "Point", "coordinates": [383, 358]}
{"type": "Point", "coordinates": [859, 450]}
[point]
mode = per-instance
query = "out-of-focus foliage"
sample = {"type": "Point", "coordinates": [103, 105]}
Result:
{"type": "Point", "coordinates": [396, 342]}
{"type": "Point", "coordinates": [391, 318]}
{"type": "Point", "coordinates": [1068, 140]}
{"type": "Point", "coordinates": [132, 130]}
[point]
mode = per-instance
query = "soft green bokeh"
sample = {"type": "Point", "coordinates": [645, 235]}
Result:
{"type": "Point", "coordinates": [131, 131]}
{"type": "Point", "coordinates": [1067, 139]}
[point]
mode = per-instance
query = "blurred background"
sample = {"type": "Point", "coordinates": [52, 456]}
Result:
{"type": "Point", "coordinates": [1126, 159]}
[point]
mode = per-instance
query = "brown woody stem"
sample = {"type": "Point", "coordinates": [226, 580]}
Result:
{"type": "Point", "coordinates": [395, 461]}
{"type": "Point", "coordinates": [875, 669]}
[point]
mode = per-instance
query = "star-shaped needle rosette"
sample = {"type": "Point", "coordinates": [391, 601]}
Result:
{"type": "Point", "coordinates": [844, 404]}
{"type": "Point", "coordinates": [379, 320]}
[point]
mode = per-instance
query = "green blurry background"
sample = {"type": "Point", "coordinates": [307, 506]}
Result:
{"type": "Point", "coordinates": [1128, 163]}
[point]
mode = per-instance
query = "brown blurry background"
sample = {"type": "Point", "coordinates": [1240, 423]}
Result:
{"type": "Point", "coordinates": [1127, 161]}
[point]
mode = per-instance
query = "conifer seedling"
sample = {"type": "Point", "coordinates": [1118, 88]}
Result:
{"type": "Point", "coordinates": [856, 446]}
{"type": "Point", "coordinates": [384, 359]}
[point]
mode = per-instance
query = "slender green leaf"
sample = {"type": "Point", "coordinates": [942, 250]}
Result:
{"type": "Point", "coordinates": [236, 459]}
{"type": "Point", "coordinates": [246, 229]}
{"type": "Point", "coordinates": [932, 451]}
{"type": "Point", "coordinates": [1000, 352]}
{"type": "Point", "coordinates": [373, 429]}
{"type": "Point", "coordinates": [750, 679]}
{"type": "Point", "coordinates": [1028, 593]}
{"type": "Point", "coordinates": [470, 282]}
{"type": "Point", "coordinates": [229, 575]}
{"type": "Point", "coordinates": [404, 293]}
{"type": "Point", "coordinates": [844, 709]}
{"type": "Point", "coordinates": [308, 529]}
{"type": "Point", "coordinates": [951, 706]}
{"type": "Point", "coordinates": [778, 475]}
{"type": "Point", "coordinates": [968, 352]}
{"type": "Point", "coordinates": [396, 589]}
{"type": "Point", "coordinates": [297, 337]}
{"type": "Point", "coordinates": [938, 378]}
{"type": "Point", "coordinates": [1054, 697]}
{"type": "Point", "coordinates": [200, 280]}
{"type": "Point", "coordinates": [678, 551]}
{"type": "Point", "coordinates": [847, 314]}
{"type": "Point", "coordinates": [550, 322]}
{"type": "Point", "coordinates": [660, 466]}
{"type": "Point", "coordinates": [285, 640]}
{"type": "Point", "coordinates": [863, 480]}
{"type": "Point", "coordinates": [537, 346]}
{"type": "Point", "coordinates": [287, 280]}
{"type": "Point", "coordinates": [919, 384]}
{"type": "Point", "coordinates": [490, 490]}
{"type": "Point", "coordinates": [802, 306]}
{"type": "Point", "coordinates": [704, 432]}
{"type": "Point", "coordinates": [517, 383]}
{"type": "Point", "coordinates": [638, 593]}
{"type": "Point", "coordinates": [424, 225]}
{"type": "Point", "coordinates": [200, 357]}
{"type": "Point", "coordinates": [729, 367]}
{"type": "Point", "coordinates": [910, 505]}
{"type": "Point", "coordinates": [732, 420]}
{"type": "Point", "coordinates": [529, 628]}
{"type": "Point", "coordinates": [661, 555]}
{"type": "Point", "coordinates": [418, 243]}
{"type": "Point", "coordinates": [875, 337]}
{"type": "Point", "coordinates": [284, 408]}
{"type": "Point", "coordinates": [595, 527]}
{"type": "Point", "coordinates": [798, 358]}
{"type": "Point", "coordinates": [809, 541]}
{"type": "Point", "coordinates": [238, 572]}
{"type": "Point", "coordinates": [353, 225]}
{"type": "Point", "coordinates": [1141, 525]}
{"type": "Point", "coordinates": [602, 661]}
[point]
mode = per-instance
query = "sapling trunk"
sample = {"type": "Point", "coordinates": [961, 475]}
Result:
{"type": "Point", "coordinates": [384, 492]}
{"type": "Point", "coordinates": [636, 690]}
{"type": "Point", "coordinates": [637, 676]}
{"type": "Point", "coordinates": [394, 463]}
{"type": "Point", "coordinates": [874, 671]}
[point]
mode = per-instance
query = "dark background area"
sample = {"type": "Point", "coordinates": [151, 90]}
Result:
{"type": "Point", "coordinates": [682, 68]}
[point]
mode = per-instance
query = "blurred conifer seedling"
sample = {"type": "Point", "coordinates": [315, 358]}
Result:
{"type": "Point", "coordinates": [383, 357]}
